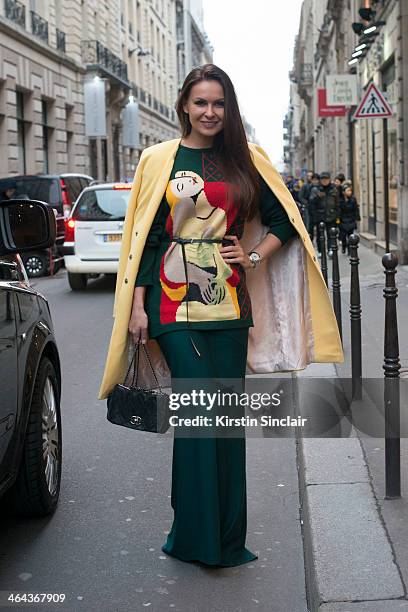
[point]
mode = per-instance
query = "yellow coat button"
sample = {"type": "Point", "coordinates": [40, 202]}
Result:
{"type": "Point", "coordinates": [126, 280]}
{"type": "Point", "coordinates": [130, 256]}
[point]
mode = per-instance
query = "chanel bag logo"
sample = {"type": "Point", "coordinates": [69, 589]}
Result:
{"type": "Point", "coordinates": [135, 420]}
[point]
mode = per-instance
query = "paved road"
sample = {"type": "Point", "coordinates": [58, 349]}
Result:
{"type": "Point", "coordinates": [102, 546]}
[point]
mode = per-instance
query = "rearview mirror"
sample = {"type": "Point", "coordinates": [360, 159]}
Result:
{"type": "Point", "coordinates": [26, 225]}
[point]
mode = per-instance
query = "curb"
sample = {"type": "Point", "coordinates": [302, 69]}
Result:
{"type": "Point", "coordinates": [349, 562]}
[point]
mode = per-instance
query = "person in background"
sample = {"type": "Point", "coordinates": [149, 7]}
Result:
{"type": "Point", "coordinates": [349, 215]}
{"type": "Point", "coordinates": [331, 200]}
{"type": "Point", "coordinates": [317, 208]}
{"type": "Point", "coordinates": [339, 182]}
{"type": "Point", "coordinates": [294, 185]}
{"type": "Point", "coordinates": [304, 197]}
{"type": "Point", "coordinates": [295, 190]}
{"type": "Point", "coordinates": [325, 203]}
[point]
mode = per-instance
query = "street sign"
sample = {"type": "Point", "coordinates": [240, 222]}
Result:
{"type": "Point", "coordinates": [324, 110]}
{"type": "Point", "coordinates": [341, 89]}
{"type": "Point", "coordinates": [373, 104]}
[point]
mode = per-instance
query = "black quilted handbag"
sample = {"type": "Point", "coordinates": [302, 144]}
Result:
{"type": "Point", "coordinates": [137, 408]}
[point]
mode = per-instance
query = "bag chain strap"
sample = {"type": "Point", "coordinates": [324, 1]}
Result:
{"type": "Point", "coordinates": [136, 368]}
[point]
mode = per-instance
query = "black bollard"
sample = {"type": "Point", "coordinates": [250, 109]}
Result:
{"type": "Point", "coordinates": [355, 318]}
{"type": "Point", "coordinates": [391, 369]}
{"type": "Point", "coordinates": [322, 242]}
{"type": "Point", "coordinates": [334, 234]}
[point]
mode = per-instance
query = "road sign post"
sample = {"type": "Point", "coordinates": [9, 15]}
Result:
{"type": "Point", "coordinates": [375, 106]}
{"type": "Point", "coordinates": [386, 192]}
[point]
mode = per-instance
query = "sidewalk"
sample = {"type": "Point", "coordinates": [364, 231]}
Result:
{"type": "Point", "coordinates": [356, 542]}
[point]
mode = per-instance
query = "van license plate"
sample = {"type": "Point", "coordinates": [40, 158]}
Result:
{"type": "Point", "coordinates": [112, 237]}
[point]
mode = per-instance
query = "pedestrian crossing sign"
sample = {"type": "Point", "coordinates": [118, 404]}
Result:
{"type": "Point", "coordinates": [373, 104]}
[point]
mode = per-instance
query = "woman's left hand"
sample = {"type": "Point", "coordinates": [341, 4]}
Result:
{"type": "Point", "coordinates": [235, 253]}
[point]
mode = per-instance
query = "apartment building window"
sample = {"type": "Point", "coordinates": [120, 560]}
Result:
{"type": "Point", "coordinates": [84, 20]}
{"type": "Point", "coordinates": [152, 37]}
{"type": "Point", "coordinates": [46, 133]}
{"type": "Point", "coordinates": [93, 158]}
{"type": "Point", "coordinates": [138, 21]}
{"type": "Point", "coordinates": [169, 56]}
{"type": "Point", "coordinates": [69, 122]}
{"type": "Point", "coordinates": [21, 133]}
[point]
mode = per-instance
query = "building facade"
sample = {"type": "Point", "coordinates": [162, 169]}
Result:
{"type": "Point", "coordinates": [324, 46]}
{"type": "Point", "coordinates": [41, 101]}
{"type": "Point", "coordinates": [193, 45]}
{"type": "Point", "coordinates": [50, 48]}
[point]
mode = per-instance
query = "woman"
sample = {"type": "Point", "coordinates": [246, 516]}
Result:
{"type": "Point", "coordinates": [184, 287]}
{"type": "Point", "coordinates": [349, 215]}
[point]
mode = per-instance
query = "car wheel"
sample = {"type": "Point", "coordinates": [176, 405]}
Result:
{"type": "Point", "coordinates": [77, 282]}
{"type": "Point", "coordinates": [36, 264]}
{"type": "Point", "coordinates": [36, 490]}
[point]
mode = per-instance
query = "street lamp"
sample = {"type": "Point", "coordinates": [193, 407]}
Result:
{"type": "Point", "coordinates": [140, 51]}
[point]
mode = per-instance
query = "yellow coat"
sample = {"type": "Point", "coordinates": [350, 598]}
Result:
{"type": "Point", "coordinates": [294, 322]}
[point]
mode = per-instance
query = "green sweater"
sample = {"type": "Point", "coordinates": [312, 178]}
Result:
{"type": "Point", "coordinates": [194, 206]}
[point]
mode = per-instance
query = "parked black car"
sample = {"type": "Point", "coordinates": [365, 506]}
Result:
{"type": "Point", "coordinates": [30, 381]}
{"type": "Point", "coordinates": [59, 191]}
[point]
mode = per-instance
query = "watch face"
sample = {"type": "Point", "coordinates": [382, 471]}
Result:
{"type": "Point", "coordinates": [254, 257]}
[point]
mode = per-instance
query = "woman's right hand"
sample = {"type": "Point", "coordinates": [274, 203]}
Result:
{"type": "Point", "coordinates": [138, 324]}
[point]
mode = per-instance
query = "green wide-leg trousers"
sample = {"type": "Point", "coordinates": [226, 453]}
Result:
{"type": "Point", "coordinates": [208, 493]}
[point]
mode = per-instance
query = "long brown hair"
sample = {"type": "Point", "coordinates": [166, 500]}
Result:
{"type": "Point", "coordinates": [231, 143]}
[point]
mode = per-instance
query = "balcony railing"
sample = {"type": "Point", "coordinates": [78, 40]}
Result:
{"type": "Point", "coordinates": [95, 53]}
{"type": "Point", "coordinates": [16, 12]}
{"type": "Point", "coordinates": [60, 40]}
{"type": "Point", "coordinates": [39, 27]}
{"type": "Point", "coordinates": [143, 96]}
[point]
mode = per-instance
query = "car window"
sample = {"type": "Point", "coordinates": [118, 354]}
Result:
{"type": "Point", "coordinates": [102, 204]}
{"type": "Point", "coordinates": [74, 187]}
{"type": "Point", "coordinates": [84, 182]}
{"type": "Point", "coordinates": [38, 188]}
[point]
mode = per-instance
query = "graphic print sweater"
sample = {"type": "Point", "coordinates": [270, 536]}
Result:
{"type": "Point", "coordinates": [195, 206]}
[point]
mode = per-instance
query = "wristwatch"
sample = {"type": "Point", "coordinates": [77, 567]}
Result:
{"type": "Point", "coordinates": [255, 258]}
